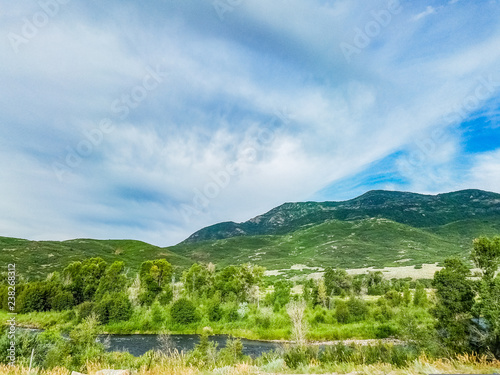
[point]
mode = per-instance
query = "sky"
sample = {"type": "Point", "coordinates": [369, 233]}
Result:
{"type": "Point", "coordinates": [150, 120]}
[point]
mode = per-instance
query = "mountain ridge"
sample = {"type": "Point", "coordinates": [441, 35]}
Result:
{"type": "Point", "coordinates": [418, 210]}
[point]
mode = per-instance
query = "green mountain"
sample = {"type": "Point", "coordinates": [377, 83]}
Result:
{"type": "Point", "coordinates": [379, 228]}
{"type": "Point", "coordinates": [412, 209]}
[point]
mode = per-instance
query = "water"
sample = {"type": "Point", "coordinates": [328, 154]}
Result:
{"type": "Point", "coordinates": [137, 345]}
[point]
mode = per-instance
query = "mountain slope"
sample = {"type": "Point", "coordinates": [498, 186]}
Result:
{"type": "Point", "coordinates": [347, 244]}
{"type": "Point", "coordinates": [412, 209]}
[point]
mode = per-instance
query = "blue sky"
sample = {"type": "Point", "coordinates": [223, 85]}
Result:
{"type": "Point", "coordinates": [149, 120]}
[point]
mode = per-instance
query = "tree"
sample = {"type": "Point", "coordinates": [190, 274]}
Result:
{"type": "Point", "coordinates": [113, 307]}
{"type": "Point", "coordinates": [281, 294]}
{"type": "Point", "coordinates": [486, 256]}
{"type": "Point", "coordinates": [322, 296]}
{"type": "Point", "coordinates": [420, 296]}
{"type": "Point", "coordinates": [237, 281]}
{"type": "Point", "coordinates": [296, 312]}
{"type": "Point", "coordinates": [337, 281]}
{"type": "Point", "coordinates": [155, 277]}
{"type": "Point", "coordinates": [113, 281]}
{"type": "Point", "coordinates": [82, 278]}
{"type": "Point", "coordinates": [455, 298]}
{"type": "Point", "coordinates": [199, 280]}
{"type": "Point", "coordinates": [63, 300]}
{"type": "Point", "coordinates": [183, 312]}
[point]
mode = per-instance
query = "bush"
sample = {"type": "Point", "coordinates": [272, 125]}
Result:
{"type": "Point", "coordinates": [85, 309]}
{"type": "Point", "coordinates": [116, 307]}
{"type": "Point", "coordinates": [263, 321]}
{"type": "Point", "coordinates": [63, 301]}
{"type": "Point", "coordinates": [342, 313]}
{"type": "Point", "coordinates": [157, 313]}
{"type": "Point", "coordinates": [358, 309]}
{"type": "Point", "coordinates": [183, 312]}
{"type": "Point", "coordinates": [214, 312]}
{"type": "Point", "coordinates": [232, 353]}
{"type": "Point", "coordinates": [385, 330]}
{"type": "Point", "coordinates": [299, 355]}
{"type": "Point", "coordinates": [232, 313]}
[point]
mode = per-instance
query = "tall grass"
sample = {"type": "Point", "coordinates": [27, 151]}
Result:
{"type": "Point", "coordinates": [464, 364]}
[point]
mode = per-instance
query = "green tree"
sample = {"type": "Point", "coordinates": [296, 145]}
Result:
{"type": "Point", "coordinates": [63, 300]}
{"type": "Point", "coordinates": [455, 299]}
{"type": "Point", "coordinates": [199, 280]}
{"type": "Point", "coordinates": [337, 281]}
{"type": "Point", "coordinates": [113, 281]}
{"type": "Point", "coordinates": [420, 296]}
{"type": "Point", "coordinates": [280, 296]}
{"type": "Point", "coordinates": [238, 281]}
{"type": "Point", "coordinates": [82, 278]}
{"type": "Point", "coordinates": [486, 256]}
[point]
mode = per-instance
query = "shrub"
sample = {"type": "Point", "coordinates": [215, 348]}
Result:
{"type": "Point", "coordinates": [214, 312]}
{"type": "Point", "coordinates": [63, 301]}
{"type": "Point", "coordinates": [85, 309]}
{"type": "Point", "coordinates": [232, 353]}
{"type": "Point", "coordinates": [342, 313]}
{"type": "Point", "coordinates": [116, 307]}
{"type": "Point", "coordinates": [358, 309]}
{"type": "Point", "coordinates": [183, 311]}
{"type": "Point", "coordinates": [299, 355]}
{"type": "Point", "coordinates": [385, 330]}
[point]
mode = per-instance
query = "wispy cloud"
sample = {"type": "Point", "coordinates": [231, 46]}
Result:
{"type": "Point", "coordinates": [427, 12]}
{"type": "Point", "coordinates": [249, 111]}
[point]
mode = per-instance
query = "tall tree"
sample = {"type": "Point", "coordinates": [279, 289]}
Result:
{"type": "Point", "coordinates": [455, 299]}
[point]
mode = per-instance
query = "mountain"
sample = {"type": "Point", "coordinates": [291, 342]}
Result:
{"type": "Point", "coordinates": [361, 243]}
{"type": "Point", "coordinates": [415, 210]}
{"type": "Point", "coordinates": [379, 229]}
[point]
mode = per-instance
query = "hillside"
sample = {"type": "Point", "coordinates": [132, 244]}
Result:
{"type": "Point", "coordinates": [412, 209]}
{"type": "Point", "coordinates": [379, 228]}
{"type": "Point", "coordinates": [347, 244]}
{"type": "Point", "coordinates": [39, 258]}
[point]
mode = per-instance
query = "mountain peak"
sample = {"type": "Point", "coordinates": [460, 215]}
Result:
{"type": "Point", "coordinates": [417, 210]}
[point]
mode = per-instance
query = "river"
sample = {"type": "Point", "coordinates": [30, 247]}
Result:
{"type": "Point", "coordinates": [137, 345]}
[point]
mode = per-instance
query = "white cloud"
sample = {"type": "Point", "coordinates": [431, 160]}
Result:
{"type": "Point", "coordinates": [216, 108]}
{"type": "Point", "coordinates": [427, 12]}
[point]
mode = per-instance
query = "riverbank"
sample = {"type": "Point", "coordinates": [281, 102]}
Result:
{"type": "Point", "coordinates": [319, 333]}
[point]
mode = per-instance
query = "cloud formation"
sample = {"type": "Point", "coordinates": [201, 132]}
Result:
{"type": "Point", "coordinates": [151, 120]}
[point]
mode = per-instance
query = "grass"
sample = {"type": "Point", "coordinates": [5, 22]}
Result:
{"type": "Point", "coordinates": [461, 364]}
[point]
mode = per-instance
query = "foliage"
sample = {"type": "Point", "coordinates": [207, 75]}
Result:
{"type": "Point", "coordinates": [455, 298]}
{"type": "Point", "coordinates": [337, 281]}
{"type": "Point", "coordinates": [183, 311]}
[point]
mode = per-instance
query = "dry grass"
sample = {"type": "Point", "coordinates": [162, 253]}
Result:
{"type": "Point", "coordinates": [463, 364]}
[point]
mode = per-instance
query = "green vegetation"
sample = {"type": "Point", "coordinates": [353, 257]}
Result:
{"type": "Point", "coordinates": [37, 259]}
{"type": "Point", "coordinates": [379, 229]}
